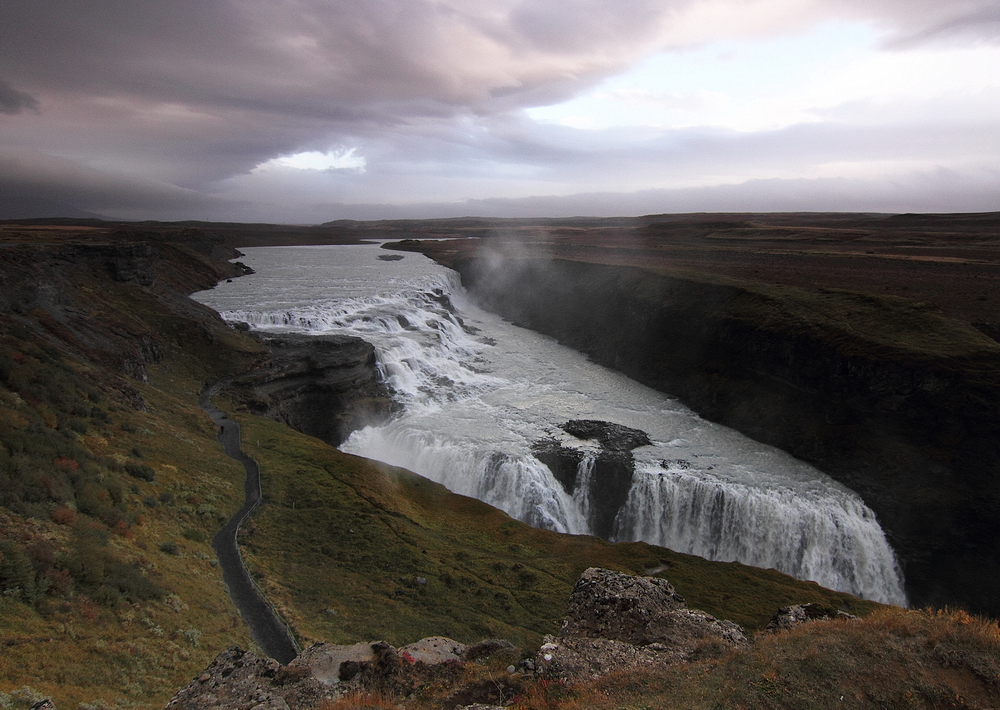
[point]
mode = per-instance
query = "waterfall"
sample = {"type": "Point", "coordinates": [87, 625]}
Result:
{"type": "Point", "coordinates": [477, 393]}
{"type": "Point", "coordinates": [834, 540]}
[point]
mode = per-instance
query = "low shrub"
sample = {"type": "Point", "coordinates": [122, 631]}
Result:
{"type": "Point", "coordinates": [140, 471]}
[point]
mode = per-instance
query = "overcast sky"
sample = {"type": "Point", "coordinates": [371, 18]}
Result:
{"type": "Point", "coordinates": [313, 110]}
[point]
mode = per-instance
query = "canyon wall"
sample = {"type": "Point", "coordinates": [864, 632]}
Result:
{"type": "Point", "coordinates": [321, 385]}
{"type": "Point", "coordinates": [886, 395]}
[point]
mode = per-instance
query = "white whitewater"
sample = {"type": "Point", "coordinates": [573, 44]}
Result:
{"type": "Point", "coordinates": [477, 392]}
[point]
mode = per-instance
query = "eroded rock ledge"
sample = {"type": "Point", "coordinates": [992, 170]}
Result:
{"type": "Point", "coordinates": [321, 385]}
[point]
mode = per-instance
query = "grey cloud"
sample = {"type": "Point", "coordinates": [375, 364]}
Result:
{"type": "Point", "coordinates": [587, 25]}
{"type": "Point", "coordinates": [918, 22]}
{"type": "Point", "coordinates": [13, 101]}
{"type": "Point", "coordinates": [29, 181]}
{"type": "Point", "coordinates": [172, 98]}
{"type": "Point", "coordinates": [982, 24]}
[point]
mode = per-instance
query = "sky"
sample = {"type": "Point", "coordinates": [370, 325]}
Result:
{"type": "Point", "coordinates": [306, 111]}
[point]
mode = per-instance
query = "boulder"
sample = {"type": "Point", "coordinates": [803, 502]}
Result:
{"type": "Point", "coordinates": [331, 663]}
{"type": "Point", "coordinates": [788, 617]}
{"type": "Point", "coordinates": [239, 679]}
{"type": "Point", "coordinates": [432, 650]}
{"type": "Point", "coordinates": [611, 605]}
{"type": "Point", "coordinates": [616, 621]}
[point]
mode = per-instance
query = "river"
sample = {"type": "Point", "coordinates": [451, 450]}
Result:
{"type": "Point", "coordinates": [478, 392]}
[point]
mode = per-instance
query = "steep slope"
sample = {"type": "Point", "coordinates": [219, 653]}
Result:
{"type": "Point", "coordinates": [111, 483]}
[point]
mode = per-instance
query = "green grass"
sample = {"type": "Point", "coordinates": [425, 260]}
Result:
{"type": "Point", "coordinates": [98, 472]}
{"type": "Point", "coordinates": [342, 540]}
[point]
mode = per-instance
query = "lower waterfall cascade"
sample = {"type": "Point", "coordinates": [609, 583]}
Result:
{"type": "Point", "coordinates": [477, 394]}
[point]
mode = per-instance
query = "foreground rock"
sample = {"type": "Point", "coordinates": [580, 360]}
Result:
{"type": "Point", "coordinates": [242, 679]}
{"type": "Point", "coordinates": [788, 617]}
{"type": "Point", "coordinates": [613, 622]}
{"type": "Point", "coordinates": [238, 679]}
{"type": "Point", "coordinates": [322, 385]}
{"type": "Point", "coordinates": [616, 621]}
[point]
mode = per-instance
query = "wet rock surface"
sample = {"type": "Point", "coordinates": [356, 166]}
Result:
{"type": "Point", "coordinates": [613, 437]}
{"type": "Point", "coordinates": [610, 481]}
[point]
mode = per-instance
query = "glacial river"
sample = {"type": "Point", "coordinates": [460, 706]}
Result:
{"type": "Point", "coordinates": [477, 392]}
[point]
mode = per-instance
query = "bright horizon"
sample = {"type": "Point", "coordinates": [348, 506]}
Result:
{"type": "Point", "coordinates": [329, 109]}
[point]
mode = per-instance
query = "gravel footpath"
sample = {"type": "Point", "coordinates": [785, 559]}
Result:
{"type": "Point", "coordinates": [266, 627]}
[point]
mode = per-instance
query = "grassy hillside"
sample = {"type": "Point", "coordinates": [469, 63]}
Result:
{"type": "Point", "coordinates": [111, 485]}
{"type": "Point", "coordinates": [344, 541]}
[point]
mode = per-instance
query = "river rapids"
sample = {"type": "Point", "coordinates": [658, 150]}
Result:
{"type": "Point", "coordinates": [478, 392]}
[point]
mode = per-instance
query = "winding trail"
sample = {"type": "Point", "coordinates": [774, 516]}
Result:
{"type": "Point", "coordinates": [266, 627]}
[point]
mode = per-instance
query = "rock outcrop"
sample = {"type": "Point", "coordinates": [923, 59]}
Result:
{"type": "Point", "coordinates": [321, 385]}
{"type": "Point", "coordinates": [613, 622]}
{"type": "Point", "coordinates": [616, 621]}
{"type": "Point", "coordinates": [608, 477]}
{"type": "Point", "coordinates": [242, 679]}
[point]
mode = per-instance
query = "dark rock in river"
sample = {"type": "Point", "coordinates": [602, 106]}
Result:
{"type": "Point", "coordinates": [614, 437]}
{"type": "Point", "coordinates": [322, 385]}
{"type": "Point", "coordinates": [611, 479]}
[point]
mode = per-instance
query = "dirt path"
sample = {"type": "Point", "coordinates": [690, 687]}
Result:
{"type": "Point", "coordinates": [266, 627]}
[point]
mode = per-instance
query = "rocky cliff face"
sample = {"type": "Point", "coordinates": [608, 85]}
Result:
{"type": "Point", "coordinates": [882, 394]}
{"type": "Point", "coordinates": [321, 385]}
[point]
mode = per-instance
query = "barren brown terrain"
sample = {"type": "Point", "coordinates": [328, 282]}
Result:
{"type": "Point", "coordinates": [952, 261]}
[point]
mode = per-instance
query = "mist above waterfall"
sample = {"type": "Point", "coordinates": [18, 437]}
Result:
{"type": "Point", "coordinates": [478, 393]}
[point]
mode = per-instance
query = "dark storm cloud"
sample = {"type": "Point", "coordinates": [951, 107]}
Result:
{"type": "Point", "coordinates": [27, 179]}
{"type": "Point", "coordinates": [13, 101]}
{"type": "Point", "coordinates": [166, 105]}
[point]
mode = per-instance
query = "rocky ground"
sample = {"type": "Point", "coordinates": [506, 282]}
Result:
{"type": "Point", "coordinates": [616, 626]}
